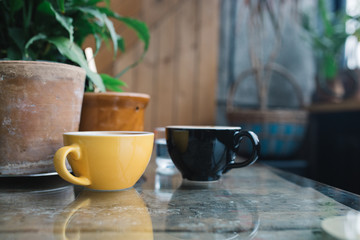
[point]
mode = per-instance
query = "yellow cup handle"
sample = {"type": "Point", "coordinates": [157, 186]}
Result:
{"type": "Point", "coordinates": [60, 166]}
{"type": "Point", "coordinates": [65, 216]}
{"type": "Point", "coordinates": [74, 208]}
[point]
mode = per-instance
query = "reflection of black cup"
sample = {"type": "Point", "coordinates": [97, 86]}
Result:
{"type": "Point", "coordinates": [223, 215]}
{"type": "Point", "coordinates": [205, 153]}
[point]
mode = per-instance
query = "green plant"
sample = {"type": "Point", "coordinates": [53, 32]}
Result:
{"type": "Point", "coordinates": [54, 30]}
{"type": "Point", "coordinates": [328, 38]}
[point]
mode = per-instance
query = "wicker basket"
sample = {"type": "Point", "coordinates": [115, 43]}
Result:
{"type": "Point", "coordinates": [281, 131]}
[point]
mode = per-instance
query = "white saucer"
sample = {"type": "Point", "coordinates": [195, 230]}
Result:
{"type": "Point", "coordinates": [335, 227]}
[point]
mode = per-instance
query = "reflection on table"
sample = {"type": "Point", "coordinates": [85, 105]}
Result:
{"type": "Point", "coordinates": [106, 215]}
{"type": "Point", "coordinates": [255, 202]}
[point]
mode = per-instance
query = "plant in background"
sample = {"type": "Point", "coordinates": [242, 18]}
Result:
{"type": "Point", "coordinates": [328, 38]}
{"type": "Point", "coordinates": [55, 31]}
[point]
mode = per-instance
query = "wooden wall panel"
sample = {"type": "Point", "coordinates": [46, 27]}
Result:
{"type": "Point", "coordinates": [186, 59]}
{"type": "Point", "coordinates": [208, 61]}
{"type": "Point", "coordinates": [147, 77]}
{"type": "Point", "coordinates": [165, 75]}
{"type": "Point", "coordinates": [179, 70]}
{"type": "Point", "coordinates": [125, 60]}
{"type": "Point", "coordinates": [154, 10]}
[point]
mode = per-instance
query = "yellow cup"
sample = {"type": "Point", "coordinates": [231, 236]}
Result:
{"type": "Point", "coordinates": [104, 160]}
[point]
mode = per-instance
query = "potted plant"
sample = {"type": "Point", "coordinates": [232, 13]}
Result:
{"type": "Point", "coordinates": [36, 108]}
{"type": "Point", "coordinates": [328, 38]}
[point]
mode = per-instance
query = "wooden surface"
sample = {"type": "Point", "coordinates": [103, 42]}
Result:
{"type": "Point", "coordinates": [180, 69]}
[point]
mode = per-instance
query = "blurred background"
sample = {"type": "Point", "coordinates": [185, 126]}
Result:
{"type": "Point", "coordinates": [288, 70]}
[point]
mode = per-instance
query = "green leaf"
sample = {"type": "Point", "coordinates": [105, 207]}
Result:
{"type": "Point", "coordinates": [357, 34]}
{"type": "Point", "coordinates": [75, 54]}
{"type": "Point", "coordinates": [121, 43]}
{"type": "Point", "coordinates": [108, 23]}
{"type": "Point", "coordinates": [107, 2]}
{"type": "Point", "coordinates": [16, 5]}
{"type": "Point", "coordinates": [47, 8]}
{"type": "Point", "coordinates": [18, 36]}
{"type": "Point", "coordinates": [61, 4]}
{"type": "Point", "coordinates": [98, 42]}
{"type": "Point", "coordinates": [84, 28]}
{"type": "Point", "coordinates": [37, 37]}
{"type": "Point", "coordinates": [113, 83]}
{"type": "Point", "coordinates": [330, 66]}
{"type": "Point", "coordinates": [113, 34]}
{"type": "Point", "coordinates": [138, 26]}
{"type": "Point", "coordinates": [13, 53]}
{"type": "Point", "coordinates": [94, 12]}
{"type": "Point", "coordinates": [90, 2]}
{"type": "Point", "coordinates": [322, 43]}
{"type": "Point", "coordinates": [325, 18]}
{"type": "Point", "coordinates": [115, 89]}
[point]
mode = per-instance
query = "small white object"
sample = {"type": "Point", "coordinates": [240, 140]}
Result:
{"type": "Point", "coordinates": [90, 59]}
{"type": "Point", "coordinates": [343, 227]}
{"type": "Point", "coordinates": [91, 63]}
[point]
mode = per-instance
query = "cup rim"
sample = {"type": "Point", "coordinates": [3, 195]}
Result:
{"type": "Point", "coordinates": [108, 133]}
{"type": "Point", "coordinates": [203, 127]}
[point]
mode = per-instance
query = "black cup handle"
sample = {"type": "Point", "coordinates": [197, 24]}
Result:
{"type": "Point", "coordinates": [255, 149]}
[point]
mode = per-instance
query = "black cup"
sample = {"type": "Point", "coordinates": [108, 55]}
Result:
{"type": "Point", "coordinates": [204, 153]}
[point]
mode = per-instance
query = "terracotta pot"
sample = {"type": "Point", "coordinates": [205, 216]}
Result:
{"type": "Point", "coordinates": [112, 111]}
{"type": "Point", "coordinates": [38, 102]}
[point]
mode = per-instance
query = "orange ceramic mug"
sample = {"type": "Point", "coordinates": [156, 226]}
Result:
{"type": "Point", "coordinates": [111, 160]}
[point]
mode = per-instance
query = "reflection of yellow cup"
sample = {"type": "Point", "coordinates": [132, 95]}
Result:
{"type": "Point", "coordinates": [105, 215]}
{"type": "Point", "coordinates": [104, 160]}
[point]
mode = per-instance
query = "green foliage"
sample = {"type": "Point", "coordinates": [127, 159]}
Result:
{"type": "Point", "coordinates": [54, 30]}
{"type": "Point", "coordinates": [329, 40]}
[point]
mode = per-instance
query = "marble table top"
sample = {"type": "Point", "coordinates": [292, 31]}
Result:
{"type": "Point", "coordinates": [256, 202]}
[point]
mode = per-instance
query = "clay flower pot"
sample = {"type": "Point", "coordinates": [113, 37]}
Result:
{"type": "Point", "coordinates": [39, 101]}
{"type": "Point", "coordinates": [112, 111]}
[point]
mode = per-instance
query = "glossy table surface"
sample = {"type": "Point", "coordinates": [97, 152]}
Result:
{"type": "Point", "coordinates": [256, 202]}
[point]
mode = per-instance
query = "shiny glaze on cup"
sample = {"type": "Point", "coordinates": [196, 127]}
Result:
{"type": "Point", "coordinates": [204, 153]}
{"type": "Point", "coordinates": [105, 160]}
